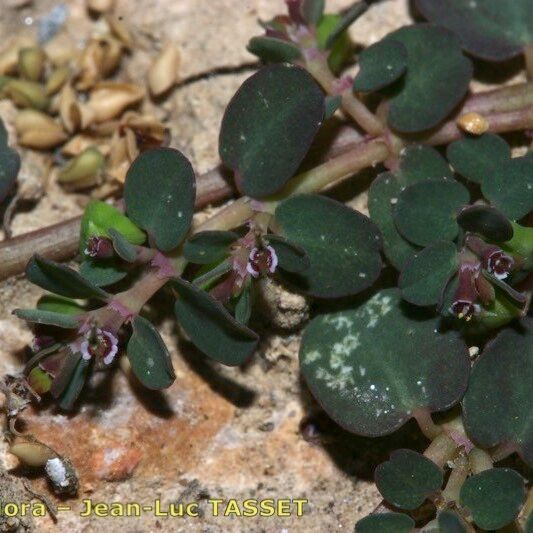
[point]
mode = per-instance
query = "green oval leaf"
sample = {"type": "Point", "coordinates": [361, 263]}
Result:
{"type": "Point", "coordinates": [341, 50]}
{"type": "Point", "coordinates": [380, 65]}
{"type": "Point", "coordinates": [269, 126]}
{"type": "Point", "coordinates": [149, 357]}
{"type": "Point", "coordinates": [58, 304]}
{"type": "Point", "coordinates": [386, 523]}
{"type": "Point", "coordinates": [487, 221]}
{"type": "Point", "coordinates": [102, 273]}
{"type": "Point", "coordinates": [210, 327]}
{"type": "Point", "coordinates": [474, 157]}
{"type": "Point", "coordinates": [420, 162]}
{"type": "Point", "coordinates": [61, 280]}
{"type": "Point", "coordinates": [99, 216]}
{"type": "Point", "coordinates": [50, 318]}
{"type": "Point", "coordinates": [498, 405]}
{"type": "Point", "coordinates": [436, 80]}
{"type": "Point", "coordinates": [9, 165]}
{"type": "Point", "coordinates": [372, 366]}
{"type": "Point", "coordinates": [243, 307]}
{"type": "Point", "coordinates": [494, 497]}
{"type": "Point", "coordinates": [291, 257]}
{"type": "Point", "coordinates": [159, 193]}
{"type": "Point", "coordinates": [495, 30]}
{"type": "Point", "coordinates": [208, 247]}
{"type": "Point", "coordinates": [510, 187]}
{"type": "Point", "coordinates": [424, 277]}
{"type": "Point", "coordinates": [449, 522]}
{"type": "Point", "coordinates": [123, 248]}
{"type": "Point", "coordinates": [342, 245]}
{"type": "Point", "coordinates": [426, 211]}
{"type": "Point", "coordinates": [407, 479]}
{"type": "Point", "coordinates": [273, 50]}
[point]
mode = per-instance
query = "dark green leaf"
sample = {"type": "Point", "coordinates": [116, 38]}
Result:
{"type": "Point", "coordinates": [342, 245]}
{"type": "Point", "coordinates": [342, 50]}
{"type": "Point", "coordinates": [420, 162]}
{"type": "Point", "coordinates": [273, 50]}
{"type": "Point", "coordinates": [345, 21]}
{"type": "Point", "coordinates": [61, 280]}
{"type": "Point", "coordinates": [494, 497]}
{"type": "Point", "coordinates": [495, 30]}
{"type": "Point", "coordinates": [75, 384]}
{"type": "Point", "coordinates": [475, 157]}
{"type": "Point", "coordinates": [159, 193]}
{"type": "Point", "coordinates": [209, 274]}
{"type": "Point", "coordinates": [449, 522]}
{"type": "Point", "coordinates": [426, 211]}
{"type": "Point", "coordinates": [243, 307]}
{"type": "Point", "coordinates": [382, 197]}
{"type": "Point", "coordinates": [208, 246]}
{"type": "Point", "coordinates": [426, 274]}
{"type": "Point", "coordinates": [123, 248]}
{"type": "Point", "coordinates": [487, 221]}
{"type": "Point", "coordinates": [436, 80]}
{"type": "Point", "coordinates": [58, 304]}
{"type": "Point", "coordinates": [291, 257]}
{"type": "Point", "coordinates": [332, 104]}
{"type": "Point", "coordinates": [498, 405]}
{"type": "Point", "coordinates": [372, 366]}
{"type": "Point", "coordinates": [312, 11]}
{"type": "Point", "coordinates": [380, 65]}
{"type": "Point", "coordinates": [407, 479]}
{"type": "Point", "coordinates": [386, 523]}
{"type": "Point", "coordinates": [102, 273]}
{"type": "Point", "coordinates": [9, 165]}
{"type": "Point", "coordinates": [49, 318]}
{"type": "Point", "coordinates": [269, 126]}
{"type": "Point", "coordinates": [149, 357]}
{"type": "Point", "coordinates": [510, 187]}
{"type": "Point", "coordinates": [99, 216]}
{"type": "Point", "coordinates": [210, 327]}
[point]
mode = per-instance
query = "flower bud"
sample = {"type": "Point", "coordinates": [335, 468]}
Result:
{"type": "Point", "coordinates": [25, 93]}
{"type": "Point", "coordinates": [37, 130]}
{"type": "Point", "coordinates": [99, 248]}
{"type": "Point", "coordinates": [464, 304]}
{"type": "Point", "coordinates": [83, 169]}
{"type": "Point", "coordinates": [110, 99]}
{"type": "Point", "coordinates": [163, 73]}
{"type": "Point", "coordinates": [493, 258]}
{"type": "Point", "coordinates": [31, 63]}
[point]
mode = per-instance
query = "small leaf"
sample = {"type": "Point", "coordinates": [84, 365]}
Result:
{"type": "Point", "coordinates": [208, 247]}
{"type": "Point", "coordinates": [449, 522]}
{"type": "Point", "coordinates": [123, 248]}
{"type": "Point", "coordinates": [272, 50]}
{"type": "Point", "coordinates": [312, 11]}
{"type": "Point", "coordinates": [487, 221]}
{"type": "Point", "coordinates": [61, 280]}
{"type": "Point", "coordinates": [420, 162]}
{"type": "Point", "coordinates": [58, 304]}
{"type": "Point", "coordinates": [342, 245]}
{"type": "Point", "coordinates": [427, 273]}
{"type": "Point", "coordinates": [426, 211]}
{"type": "Point", "coordinates": [9, 165]}
{"type": "Point", "coordinates": [386, 523]}
{"type": "Point", "coordinates": [39, 381]}
{"type": "Point", "coordinates": [342, 49]}
{"type": "Point", "coordinates": [332, 104]}
{"type": "Point", "coordinates": [475, 157]}
{"type": "Point", "coordinates": [509, 187]}
{"type": "Point", "coordinates": [495, 30]}
{"type": "Point", "coordinates": [382, 196]}
{"type": "Point", "coordinates": [494, 497]}
{"type": "Point", "coordinates": [372, 366]}
{"type": "Point", "coordinates": [345, 21]}
{"type": "Point", "coordinates": [291, 257]}
{"type": "Point", "coordinates": [159, 193]}
{"type": "Point", "coordinates": [50, 318]}
{"type": "Point", "coordinates": [149, 357]}
{"type": "Point", "coordinates": [269, 126]}
{"type": "Point", "coordinates": [99, 216]}
{"type": "Point", "coordinates": [243, 307]}
{"type": "Point", "coordinates": [407, 479]}
{"type": "Point", "coordinates": [75, 385]}
{"type": "Point", "coordinates": [498, 405]}
{"type": "Point", "coordinates": [436, 80]}
{"type": "Point", "coordinates": [102, 273]}
{"type": "Point", "coordinates": [380, 65]}
{"type": "Point", "coordinates": [210, 327]}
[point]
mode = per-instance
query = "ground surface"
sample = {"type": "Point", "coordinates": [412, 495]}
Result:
{"type": "Point", "coordinates": [217, 433]}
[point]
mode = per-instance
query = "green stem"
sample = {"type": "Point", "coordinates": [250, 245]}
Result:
{"type": "Point", "coordinates": [500, 100]}
{"type": "Point", "coordinates": [441, 450]}
{"type": "Point", "coordinates": [457, 477]}
{"type": "Point", "coordinates": [426, 424]}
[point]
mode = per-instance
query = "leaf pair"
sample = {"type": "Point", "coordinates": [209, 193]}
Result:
{"type": "Point", "coordinates": [431, 72]}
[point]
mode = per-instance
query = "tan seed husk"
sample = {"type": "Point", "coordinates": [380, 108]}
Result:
{"type": "Point", "coordinates": [74, 115]}
{"type": "Point", "coordinates": [85, 167]}
{"type": "Point", "coordinates": [9, 56]}
{"type": "Point", "coordinates": [119, 30]}
{"type": "Point", "coordinates": [473, 123]}
{"type": "Point", "coordinates": [56, 80]}
{"type": "Point", "coordinates": [163, 73]}
{"type": "Point", "coordinates": [31, 63]}
{"type": "Point", "coordinates": [37, 130]}
{"type": "Point", "coordinates": [110, 99]}
{"type": "Point", "coordinates": [77, 144]}
{"type": "Point", "coordinates": [32, 453]}
{"type": "Point", "coordinates": [26, 93]}
{"type": "Point", "coordinates": [100, 6]}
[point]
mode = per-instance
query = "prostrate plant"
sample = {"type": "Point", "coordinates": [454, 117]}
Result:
{"type": "Point", "coordinates": [455, 229]}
